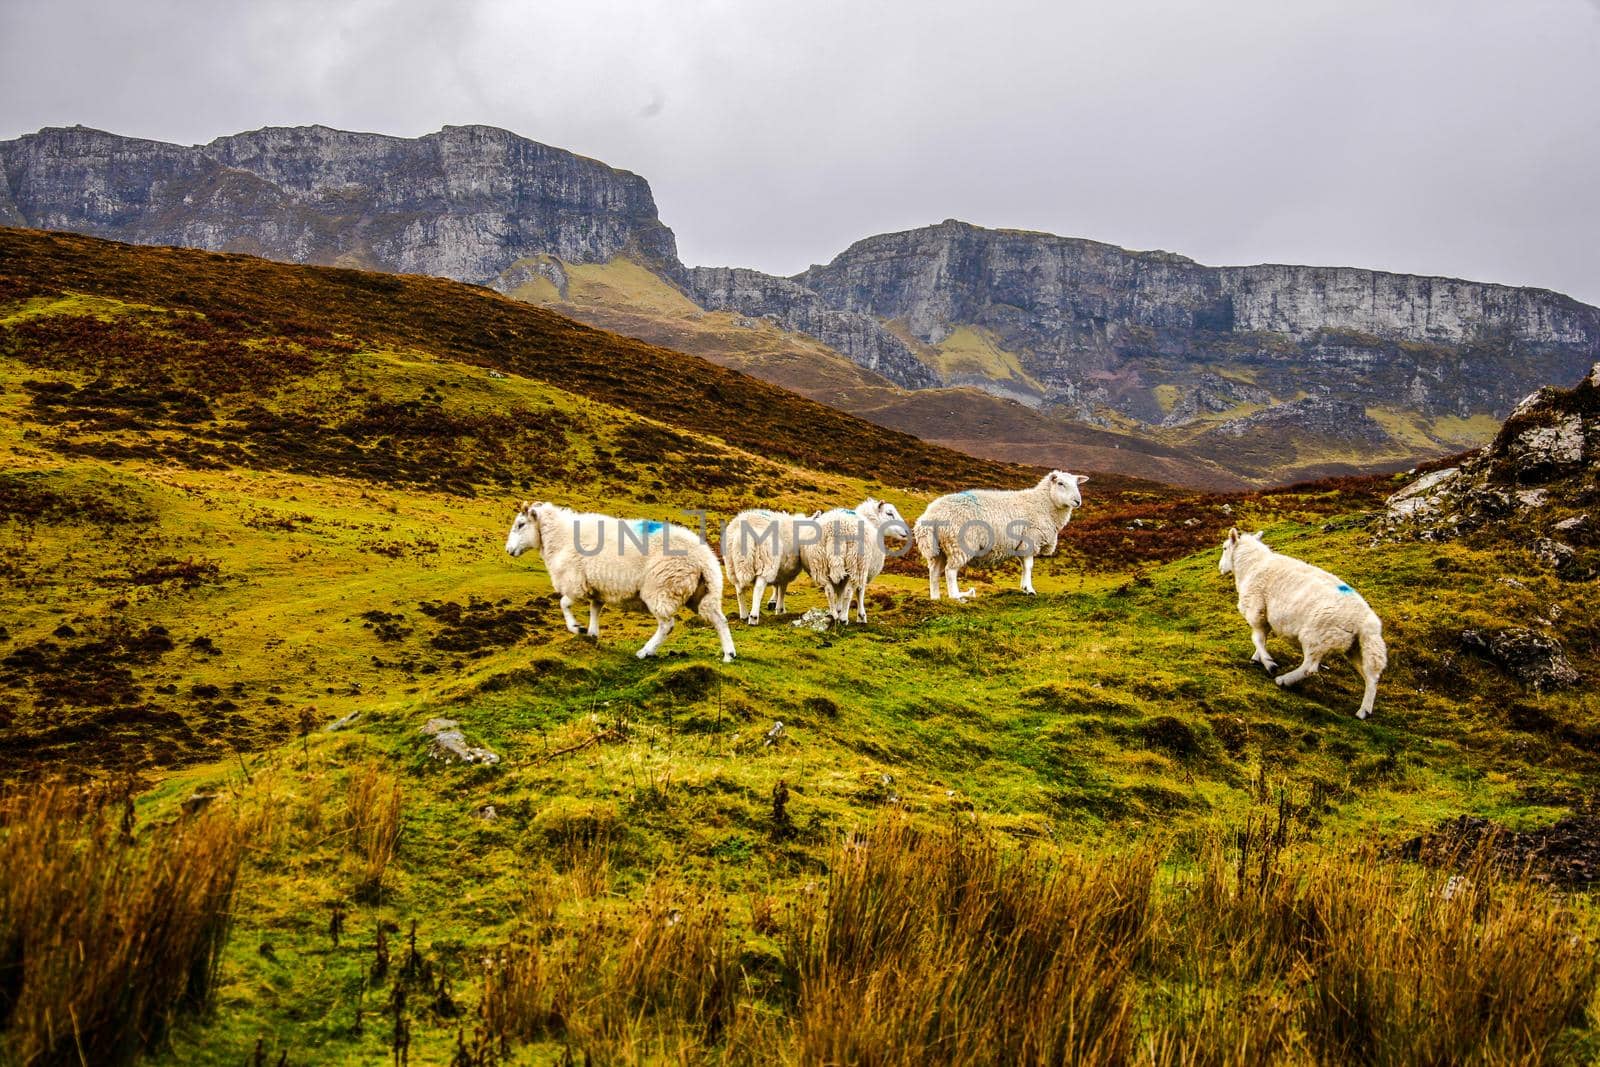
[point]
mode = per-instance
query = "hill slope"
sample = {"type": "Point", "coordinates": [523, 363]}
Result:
{"type": "Point", "coordinates": [243, 501]}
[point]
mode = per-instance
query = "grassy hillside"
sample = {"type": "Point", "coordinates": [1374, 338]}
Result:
{"type": "Point", "coordinates": [229, 525]}
{"type": "Point", "coordinates": [623, 297]}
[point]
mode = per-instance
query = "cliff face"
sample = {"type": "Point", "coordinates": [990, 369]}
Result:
{"type": "Point", "coordinates": [794, 307]}
{"type": "Point", "coordinates": [1099, 325]}
{"type": "Point", "coordinates": [462, 203]}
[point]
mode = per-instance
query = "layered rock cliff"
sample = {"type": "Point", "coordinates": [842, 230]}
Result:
{"type": "Point", "coordinates": [463, 203]}
{"type": "Point", "coordinates": [1101, 326]}
{"type": "Point", "coordinates": [794, 307]}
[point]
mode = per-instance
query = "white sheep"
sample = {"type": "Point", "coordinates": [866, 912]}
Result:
{"type": "Point", "coordinates": [843, 551]}
{"type": "Point", "coordinates": [636, 562]}
{"type": "Point", "coordinates": [980, 524]}
{"type": "Point", "coordinates": [761, 549]}
{"type": "Point", "coordinates": [1305, 602]}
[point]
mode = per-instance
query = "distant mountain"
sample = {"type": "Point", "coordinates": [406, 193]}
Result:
{"type": "Point", "coordinates": [464, 203]}
{"type": "Point", "coordinates": [1041, 349]}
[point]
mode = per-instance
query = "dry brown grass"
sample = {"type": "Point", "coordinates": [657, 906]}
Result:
{"type": "Point", "coordinates": [945, 947]}
{"type": "Point", "coordinates": [1352, 958]}
{"type": "Point", "coordinates": [153, 914]}
{"type": "Point", "coordinates": [373, 814]}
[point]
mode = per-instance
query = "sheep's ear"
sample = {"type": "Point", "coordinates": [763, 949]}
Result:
{"type": "Point", "coordinates": [1081, 478]}
{"type": "Point", "coordinates": [1259, 534]}
{"type": "Point", "coordinates": [1233, 535]}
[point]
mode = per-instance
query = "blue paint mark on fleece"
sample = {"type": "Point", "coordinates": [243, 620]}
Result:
{"type": "Point", "coordinates": [647, 526]}
{"type": "Point", "coordinates": [1345, 588]}
{"type": "Point", "coordinates": [968, 492]}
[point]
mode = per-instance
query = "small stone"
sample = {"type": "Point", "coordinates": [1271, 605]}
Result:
{"type": "Point", "coordinates": [815, 619]}
{"type": "Point", "coordinates": [343, 722]}
{"type": "Point", "coordinates": [450, 744]}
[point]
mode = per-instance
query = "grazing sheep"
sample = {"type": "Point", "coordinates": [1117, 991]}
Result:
{"type": "Point", "coordinates": [1305, 602]}
{"type": "Point", "coordinates": [637, 562]}
{"type": "Point", "coordinates": [979, 524]}
{"type": "Point", "coordinates": [761, 549]}
{"type": "Point", "coordinates": [848, 552]}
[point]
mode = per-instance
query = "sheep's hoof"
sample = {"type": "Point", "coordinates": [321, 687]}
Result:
{"type": "Point", "coordinates": [1285, 681]}
{"type": "Point", "coordinates": [1030, 592]}
{"type": "Point", "coordinates": [643, 654]}
{"type": "Point", "coordinates": [1268, 665]}
{"type": "Point", "coordinates": [754, 620]}
{"type": "Point", "coordinates": [728, 657]}
{"type": "Point", "coordinates": [1363, 713]}
{"type": "Point", "coordinates": [573, 630]}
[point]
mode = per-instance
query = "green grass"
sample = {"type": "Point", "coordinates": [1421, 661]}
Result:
{"type": "Point", "coordinates": [1117, 710]}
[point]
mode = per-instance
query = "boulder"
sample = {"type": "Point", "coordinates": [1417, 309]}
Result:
{"type": "Point", "coordinates": [450, 744]}
{"type": "Point", "coordinates": [1530, 657]}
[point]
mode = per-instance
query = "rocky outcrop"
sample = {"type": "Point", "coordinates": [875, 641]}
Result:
{"type": "Point", "coordinates": [796, 308]}
{"type": "Point", "coordinates": [1540, 476]}
{"type": "Point", "coordinates": [1099, 325]}
{"type": "Point", "coordinates": [1327, 419]}
{"type": "Point", "coordinates": [462, 203]}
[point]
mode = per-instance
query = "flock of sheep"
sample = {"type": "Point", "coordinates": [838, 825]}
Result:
{"type": "Point", "coordinates": [663, 568]}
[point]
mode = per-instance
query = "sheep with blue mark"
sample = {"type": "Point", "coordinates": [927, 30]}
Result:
{"type": "Point", "coordinates": [658, 567]}
{"type": "Point", "coordinates": [847, 551]}
{"type": "Point", "coordinates": [1293, 598]}
{"type": "Point", "coordinates": [984, 524]}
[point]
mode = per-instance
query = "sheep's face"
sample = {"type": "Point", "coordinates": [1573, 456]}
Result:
{"type": "Point", "coordinates": [1231, 544]}
{"type": "Point", "coordinates": [886, 517]}
{"type": "Point", "coordinates": [1063, 487]}
{"type": "Point", "coordinates": [1225, 566]}
{"type": "Point", "coordinates": [524, 530]}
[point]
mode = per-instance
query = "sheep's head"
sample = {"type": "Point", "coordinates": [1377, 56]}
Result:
{"type": "Point", "coordinates": [1063, 489]}
{"type": "Point", "coordinates": [1235, 539]}
{"type": "Point", "coordinates": [885, 516]}
{"type": "Point", "coordinates": [525, 528]}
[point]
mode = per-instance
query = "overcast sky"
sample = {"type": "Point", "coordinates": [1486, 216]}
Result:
{"type": "Point", "coordinates": [1457, 137]}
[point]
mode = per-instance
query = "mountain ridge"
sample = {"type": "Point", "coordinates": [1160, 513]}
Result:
{"type": "Point", "coordinates": [1149, 345]}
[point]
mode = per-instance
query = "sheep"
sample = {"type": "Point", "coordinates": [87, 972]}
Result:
{"type": "Point", "coordinates": [979, 524]}
{"type": "Point", "coordinates": [847, 552]}
{"type": "Point", "coordinates": [1305, 602]}
{"type": "Point", "coordinates": [760, 548]}
{"type": "Point", "coordinates": [638, 563]}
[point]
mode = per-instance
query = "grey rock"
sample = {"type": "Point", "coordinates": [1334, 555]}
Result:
{"type": "Point", "coordinates": [815, 620]}
{"type": "Point", "coordinates": [794, 307]}
{"type": "Point", "coordinates": [1099, 324]}
{"type": "Point", "coordinates": [464, 203]}
{"type": "Point", "coordinates": [1537, 661]}
{"type": "Point", "coordinates": [449, 744]}
{"type": "Point", "coordinates": [344, 722]}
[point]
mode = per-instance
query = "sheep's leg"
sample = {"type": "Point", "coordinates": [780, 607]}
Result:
{"type": "Point", "coordinates": [846, 596]}
{"type": "Point", "coordinates": [755, 601]}
{"type": "Point", "coordinates": [711, 611]}
{"type": "Point", "coordinates": [778, 592]}
{"type": "Point", "coordinates": [1256, 616]}
{"type": "Point", "coordinates": [951, 572]}
{"type": "Point", "coordinates": [566, 613]}
{"type": "Point", "coordinates": [594, 618]}
{"type": "Point", "coordinates": [738, 599]}
{"type": "Point", "coordinates": [663, 628]}
{"type": "Point", "coordinates": [1258, 634]}
{"type": "Point", "coordinates": [861, 601]}
{"type": "Point", "coordinates": [933, 578]}
{"type": "Point", "coordinates": [1309, 665]}
{"type": "Point", "coordinates": [1027, 575]}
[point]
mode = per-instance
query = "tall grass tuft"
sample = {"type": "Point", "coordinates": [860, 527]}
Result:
{"type": "Point", "coordinates": [104, 939]}
{"type": "Point", "coordinates": [373, 811]}
{"type": "Point", "coordinates": [1350, 958]}
{"type": "Point", "coordinates": [943, 948]}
